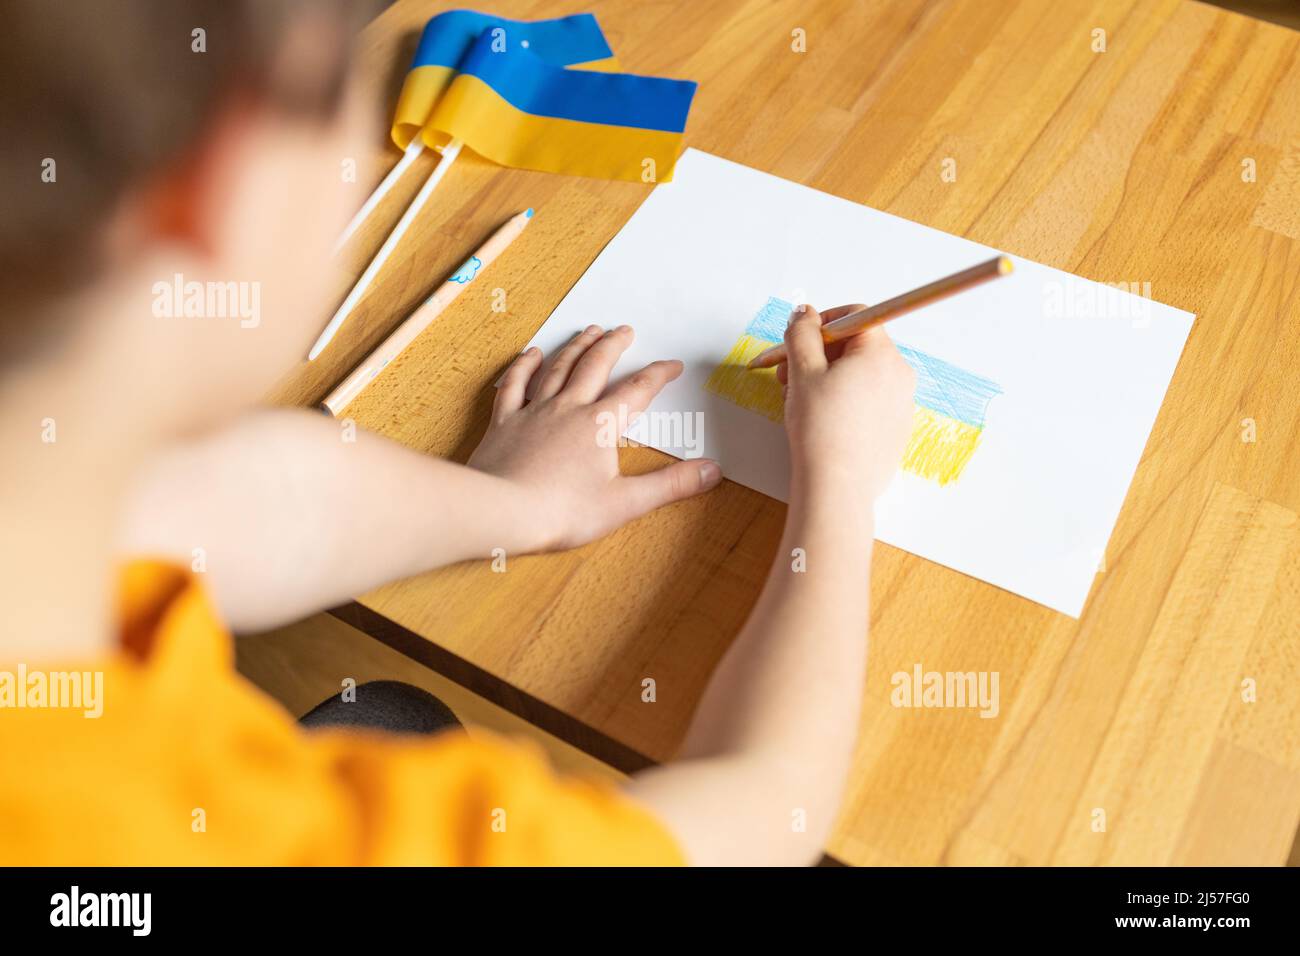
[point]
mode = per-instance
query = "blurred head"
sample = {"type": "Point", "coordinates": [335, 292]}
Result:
{"type": "Point", "coordinates": [172, 179]}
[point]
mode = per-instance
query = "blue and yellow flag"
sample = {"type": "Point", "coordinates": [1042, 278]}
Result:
{"type": "Point", "coordinates": [540, 95]}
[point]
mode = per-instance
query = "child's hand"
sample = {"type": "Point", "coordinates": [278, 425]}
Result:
{"type": "Point", "coordinates": [848, 405]}
{"type": "Point", "coordinates": [560, 449]}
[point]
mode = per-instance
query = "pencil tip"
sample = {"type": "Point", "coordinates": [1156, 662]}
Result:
{"type": "Point", "coordinates": [528, 213]}
{"type": "Point", "coordinates": [1004, 266]}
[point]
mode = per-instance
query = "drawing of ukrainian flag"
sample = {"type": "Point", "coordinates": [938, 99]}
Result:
{"type": "Point", "coordinates": [950, 402]}
{"type": "Point", "coordinates": [948, 417]}
{"type": "Point", "coordinates": [540, 95]}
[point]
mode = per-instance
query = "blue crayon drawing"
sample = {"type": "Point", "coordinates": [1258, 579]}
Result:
{"type": "Point", "coordinates": [770, 322]}
{"type": "Point", "coordinates": [944, 388]}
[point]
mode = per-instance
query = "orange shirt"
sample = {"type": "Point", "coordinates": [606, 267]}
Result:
{"type": "Point", "coordinates": [190, 764]}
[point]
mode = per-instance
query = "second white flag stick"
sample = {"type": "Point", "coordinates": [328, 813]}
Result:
{"type": "Point", "coordinates": [449, 154]}
{"type": "Point", "coordinates": [408, 157]}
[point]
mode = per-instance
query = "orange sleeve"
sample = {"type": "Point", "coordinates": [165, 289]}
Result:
{"type": "Point", "coordinates": [484, 801]}
{"type": "Point", "coordinates": [188, 764]}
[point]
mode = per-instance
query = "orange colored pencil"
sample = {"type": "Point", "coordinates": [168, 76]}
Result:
{"type": "Point", "coordinates": [858, 322]}
{"type": "Point", "coordinates": [421, 318]}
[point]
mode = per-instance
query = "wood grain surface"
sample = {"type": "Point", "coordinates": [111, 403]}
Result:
{"type": "Point", "coordinates": [1162, 727]}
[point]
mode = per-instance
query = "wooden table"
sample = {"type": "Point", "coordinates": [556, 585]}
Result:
{"type": "Point", "coordinates": [1173, 707]}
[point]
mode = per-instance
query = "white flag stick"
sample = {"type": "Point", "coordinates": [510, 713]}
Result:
{"type": "Point", "coordinates": [449, 155]}
{"type": "Point", "coordinates": [394, 174]}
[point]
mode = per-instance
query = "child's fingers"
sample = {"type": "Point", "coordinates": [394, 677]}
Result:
{"type": "Point", "coordinates": [866, 342]}
{"type": "Point", "coordinates": [830, 315]}
{"type": "Point", "coordinates": [591, 374]}
{"type": "Point", "coordinates": [637, 391]}
{"type": "Point", "coordinates": [510, 393]}
{"type": "Point", "coordinates": [562, 362]}
{"type": "Point", "coordinates": [803, 343]}
{"type": "Point", "coordinates": [682, 479]}
{"type": "Point", "coordinates": [835, 350]}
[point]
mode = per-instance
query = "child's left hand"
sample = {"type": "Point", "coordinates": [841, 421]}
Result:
{"type": "Point", "coordinates": [561, 448]}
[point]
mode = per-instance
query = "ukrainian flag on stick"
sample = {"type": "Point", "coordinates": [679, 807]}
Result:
{"type": "Point", "coordinates": [575, 41]}
{"type": "Point", "coordinates": [540, 96]}
{"type": "Point", "coordinates": [534, 95]}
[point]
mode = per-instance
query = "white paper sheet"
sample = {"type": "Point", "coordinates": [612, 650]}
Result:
{"type": "Point", "coordinates": [1082, 367]}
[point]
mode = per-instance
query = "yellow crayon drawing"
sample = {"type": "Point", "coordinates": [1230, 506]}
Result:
{"type": "Point", "coordinates": [755, 389]}
{"type": "Point", "coordinates": [940, 447]}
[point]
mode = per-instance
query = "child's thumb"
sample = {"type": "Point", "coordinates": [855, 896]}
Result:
{"type": "Point", "coordinates": [679, 480]}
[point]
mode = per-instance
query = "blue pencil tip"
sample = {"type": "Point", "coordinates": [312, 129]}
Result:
{"type": "Point", "coordinates": [528, 213]}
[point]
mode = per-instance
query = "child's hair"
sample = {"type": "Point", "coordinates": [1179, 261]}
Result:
{"type": "Point", "coordinates": [98, 95]}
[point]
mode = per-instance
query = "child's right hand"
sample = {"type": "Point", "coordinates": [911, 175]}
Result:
{"type": "Point", "coordinates": [848, 405]}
